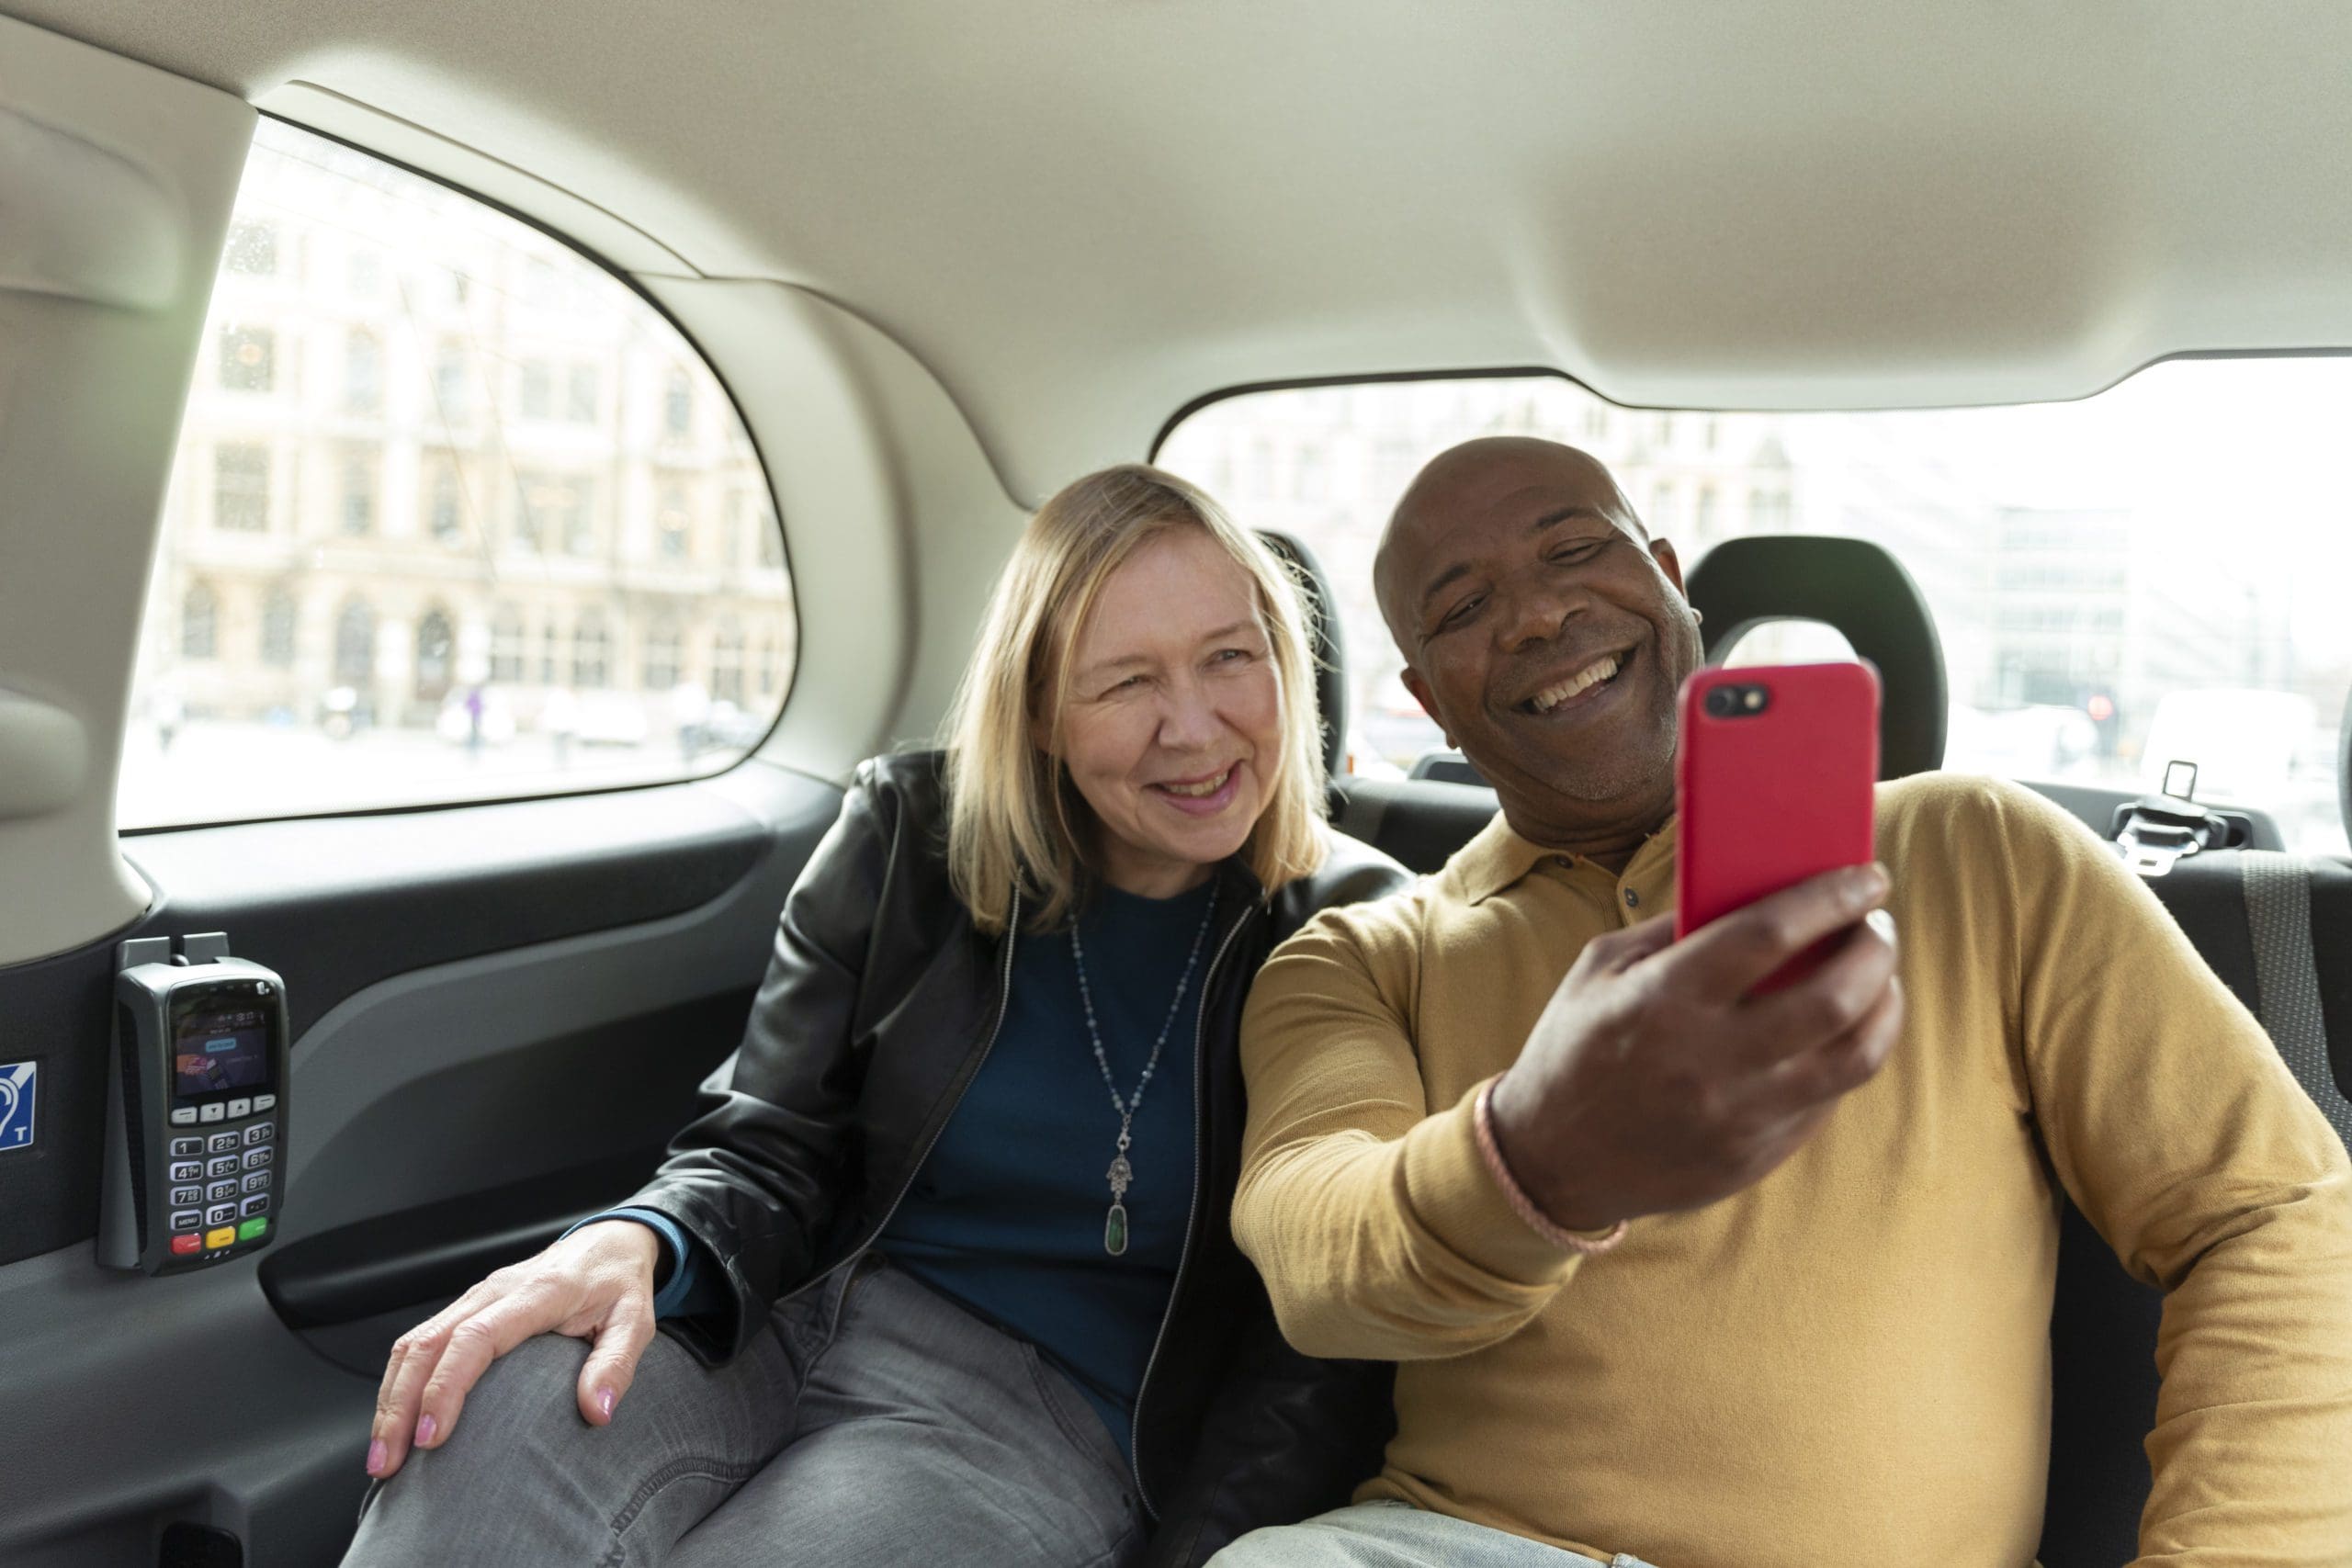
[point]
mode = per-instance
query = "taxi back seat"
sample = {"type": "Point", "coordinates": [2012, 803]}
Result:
{"type": "Point", "coordinates": [2277, 929]}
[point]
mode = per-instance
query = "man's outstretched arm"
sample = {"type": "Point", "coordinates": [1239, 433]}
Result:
{"type": "Point", "coordinates": [1653, 1081]}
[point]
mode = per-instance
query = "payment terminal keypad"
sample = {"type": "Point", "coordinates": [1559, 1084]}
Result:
{"type": "Point", "coordinates": [237, 1193]}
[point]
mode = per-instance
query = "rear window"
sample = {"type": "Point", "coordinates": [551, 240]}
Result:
{"type": "Point", "coordinates": [455, 514]}
{"type": "Point", "coordinates": [2156, 573]}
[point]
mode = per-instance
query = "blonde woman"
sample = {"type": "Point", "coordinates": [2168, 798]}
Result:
{"type": "Point", "coordinates": [943, 1274]}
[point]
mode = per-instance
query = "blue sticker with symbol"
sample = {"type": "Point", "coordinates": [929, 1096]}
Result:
{"type": "Point", "coordinates": [17, 1083]}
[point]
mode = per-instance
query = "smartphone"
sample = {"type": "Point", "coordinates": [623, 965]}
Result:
{"type": "Point", "coordinates": [1774, 784]}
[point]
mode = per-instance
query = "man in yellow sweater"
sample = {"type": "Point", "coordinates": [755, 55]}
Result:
{"type": "Point", "coordinates": [1681, 1277]}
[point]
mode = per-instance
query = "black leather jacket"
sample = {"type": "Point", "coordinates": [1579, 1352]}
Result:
{"type": "Point", "coordinates": [878, 1005]}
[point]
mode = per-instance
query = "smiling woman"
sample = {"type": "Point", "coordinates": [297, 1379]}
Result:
{"type": "Point", "coordinates": [1131, 763]}
{"type": "Point", "coordinates": [1140, 651]}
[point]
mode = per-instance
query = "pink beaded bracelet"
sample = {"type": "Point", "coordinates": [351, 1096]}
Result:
{"type": "Point", "coordinates": [1483, 1117]}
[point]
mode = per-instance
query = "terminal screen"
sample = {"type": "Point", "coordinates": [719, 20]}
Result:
{"type": "Point", "coordinates": [221, 1043]}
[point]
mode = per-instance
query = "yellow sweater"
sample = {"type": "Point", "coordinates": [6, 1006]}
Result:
{"type": "Point", "coordinates": [1847, 1363]}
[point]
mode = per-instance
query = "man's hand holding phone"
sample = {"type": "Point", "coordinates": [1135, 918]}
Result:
{"type": "Point", "coordinates": [1656, 1080]}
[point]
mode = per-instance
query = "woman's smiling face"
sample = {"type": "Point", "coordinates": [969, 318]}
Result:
{"type": "Point", "coordinates": [1171, 729]}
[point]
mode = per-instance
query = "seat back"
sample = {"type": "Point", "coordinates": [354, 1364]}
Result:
{"type": "Point", "coordinates": [2277, 930]}
{"type": "Point", "coordinates": [1855, 586]}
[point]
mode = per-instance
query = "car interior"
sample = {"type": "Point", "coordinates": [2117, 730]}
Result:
{"type": "Point", "coordinates": [885, 276]}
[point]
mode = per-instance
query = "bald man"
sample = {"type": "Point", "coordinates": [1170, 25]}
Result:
{"type": "Point", "coordinates": [1679, 1275]}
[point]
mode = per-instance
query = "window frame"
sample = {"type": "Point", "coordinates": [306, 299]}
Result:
{"type": "Point", "coordinates": [766, 487]}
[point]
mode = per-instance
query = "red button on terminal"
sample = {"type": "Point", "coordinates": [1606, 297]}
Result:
{"type": "Point", "coordinates": [184, 1244]}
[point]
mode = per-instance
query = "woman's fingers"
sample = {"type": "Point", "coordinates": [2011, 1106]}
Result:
{"type": "Point", "coordinates": [612, 1365]}
{"type": "Point", "coordinates": [414, 1356]}
{"type": "Point", "coordinates": [471, 1346]}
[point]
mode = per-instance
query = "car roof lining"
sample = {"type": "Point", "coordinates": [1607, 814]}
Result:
{"type": "Point", "coordinates": [1079, 215]}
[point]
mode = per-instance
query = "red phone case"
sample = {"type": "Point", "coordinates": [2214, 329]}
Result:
{"type": "Point", "coordinates": [1771, 797]}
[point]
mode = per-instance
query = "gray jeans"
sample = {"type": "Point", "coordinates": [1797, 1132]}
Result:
{"type": "Point", "coordinates": [875, 1423]}
{"type": "Point", "coordinates": [1390, 1534]}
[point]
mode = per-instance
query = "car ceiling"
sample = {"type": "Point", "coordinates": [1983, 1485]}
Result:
{"type": "Point", "coordinates": [1081, 214]}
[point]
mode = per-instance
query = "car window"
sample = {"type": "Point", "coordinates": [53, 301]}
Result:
{"type": "Point", "coordinates": [455, 514]}
{"type": "Point", "coordinates": [2156, 573]}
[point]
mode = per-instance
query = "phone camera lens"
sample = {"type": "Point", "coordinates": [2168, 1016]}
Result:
{"type": "Point", "coordinates": [1722, 702]}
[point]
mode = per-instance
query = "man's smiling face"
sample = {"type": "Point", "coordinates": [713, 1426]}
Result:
{"type": "Point", "coordinates": [1545, 631]}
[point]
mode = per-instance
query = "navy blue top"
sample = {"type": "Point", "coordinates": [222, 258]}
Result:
{"type": "Point", "coordinates": [1006, 1215]}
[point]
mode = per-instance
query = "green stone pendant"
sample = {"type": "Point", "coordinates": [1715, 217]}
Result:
{"type": "Point", "coordinates": [1114, 1229]}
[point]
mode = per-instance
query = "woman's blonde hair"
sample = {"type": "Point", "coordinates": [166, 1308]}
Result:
{"type": "Point", "coordinates": [1015, 819]}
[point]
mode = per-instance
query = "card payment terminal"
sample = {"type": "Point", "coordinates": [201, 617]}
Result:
{"type": "Point", "coordinates": [196, 1121]}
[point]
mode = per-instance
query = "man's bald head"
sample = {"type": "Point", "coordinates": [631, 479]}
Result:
{"type": "Point", "coordinates": [1544, 629]}
{"type": "Point", "coordinates": [1462, 474]}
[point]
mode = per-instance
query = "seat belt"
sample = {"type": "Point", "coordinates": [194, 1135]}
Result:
{"type": "Point", "coordinates": [2278, 913]}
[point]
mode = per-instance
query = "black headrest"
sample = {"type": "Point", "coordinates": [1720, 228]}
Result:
{"type": "Point", "coordinates": [1323, 642]}
{"type": "Point", "coordinates": [1855, 586]}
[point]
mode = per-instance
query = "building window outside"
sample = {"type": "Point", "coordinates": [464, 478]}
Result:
{"type": "Point", "coordinates": [355, 643]}
{"type": "Point", "coordinates": [199, 622]}
{"type": "Point", "coordinates": [678, 405]}
{"type": "Point", "coordinates": [726, 665]}
{"type": "Point", "coordinates": [436, 649]}
{"type": "Point", "coordinates": [672, 524]}
{"type": "Point", "coordinates": [506, 644]}
{"type": "Point", "coordinates": [251, 250]}
{"type": "Point", "coordinates": [550, 507]}
{"type": "Point", "coordinates": [550, 655]}
{"type": "Point", "coordinates": [590, 649]}
{"type": "Point", "coordinates": [277, 624]}
{"type": "Point", "coordinates": [661, 658]}
{"type": "Point", "coordinates": [358, 510]}
{"type": "Point", "coordinates": [579, 395]}
{"type": "Point", "coordinates": [241, 486]}
{"type": "Point", "coordinates": [248, 359]}
{"type": "Point", "coordinates": [535, 398]}
{"type": "Point", "coordinates": [363, 374]}
{"type": "Point", "coordinates": [445, 504]}
{"type": "Point", "coordinates": [769, 666]}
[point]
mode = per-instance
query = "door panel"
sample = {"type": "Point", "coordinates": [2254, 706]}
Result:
{"type": "Point", "coordinates": [501, 1014]}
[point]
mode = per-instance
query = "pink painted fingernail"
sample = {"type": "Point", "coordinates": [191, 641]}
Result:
{"type": "Point", "coordinates": [604, 1398]}
{"type": "Point", "coordinates": [376, 1457]}
{"type": "Point", "coordinates": [425, 1427]}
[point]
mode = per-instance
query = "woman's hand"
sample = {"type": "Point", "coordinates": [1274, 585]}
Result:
{"type": "Point", "coordinates": [596, 1284]}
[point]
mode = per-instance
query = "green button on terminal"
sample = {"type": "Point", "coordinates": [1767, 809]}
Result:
{"type": "Point", "coordinates": [253, 1229]}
